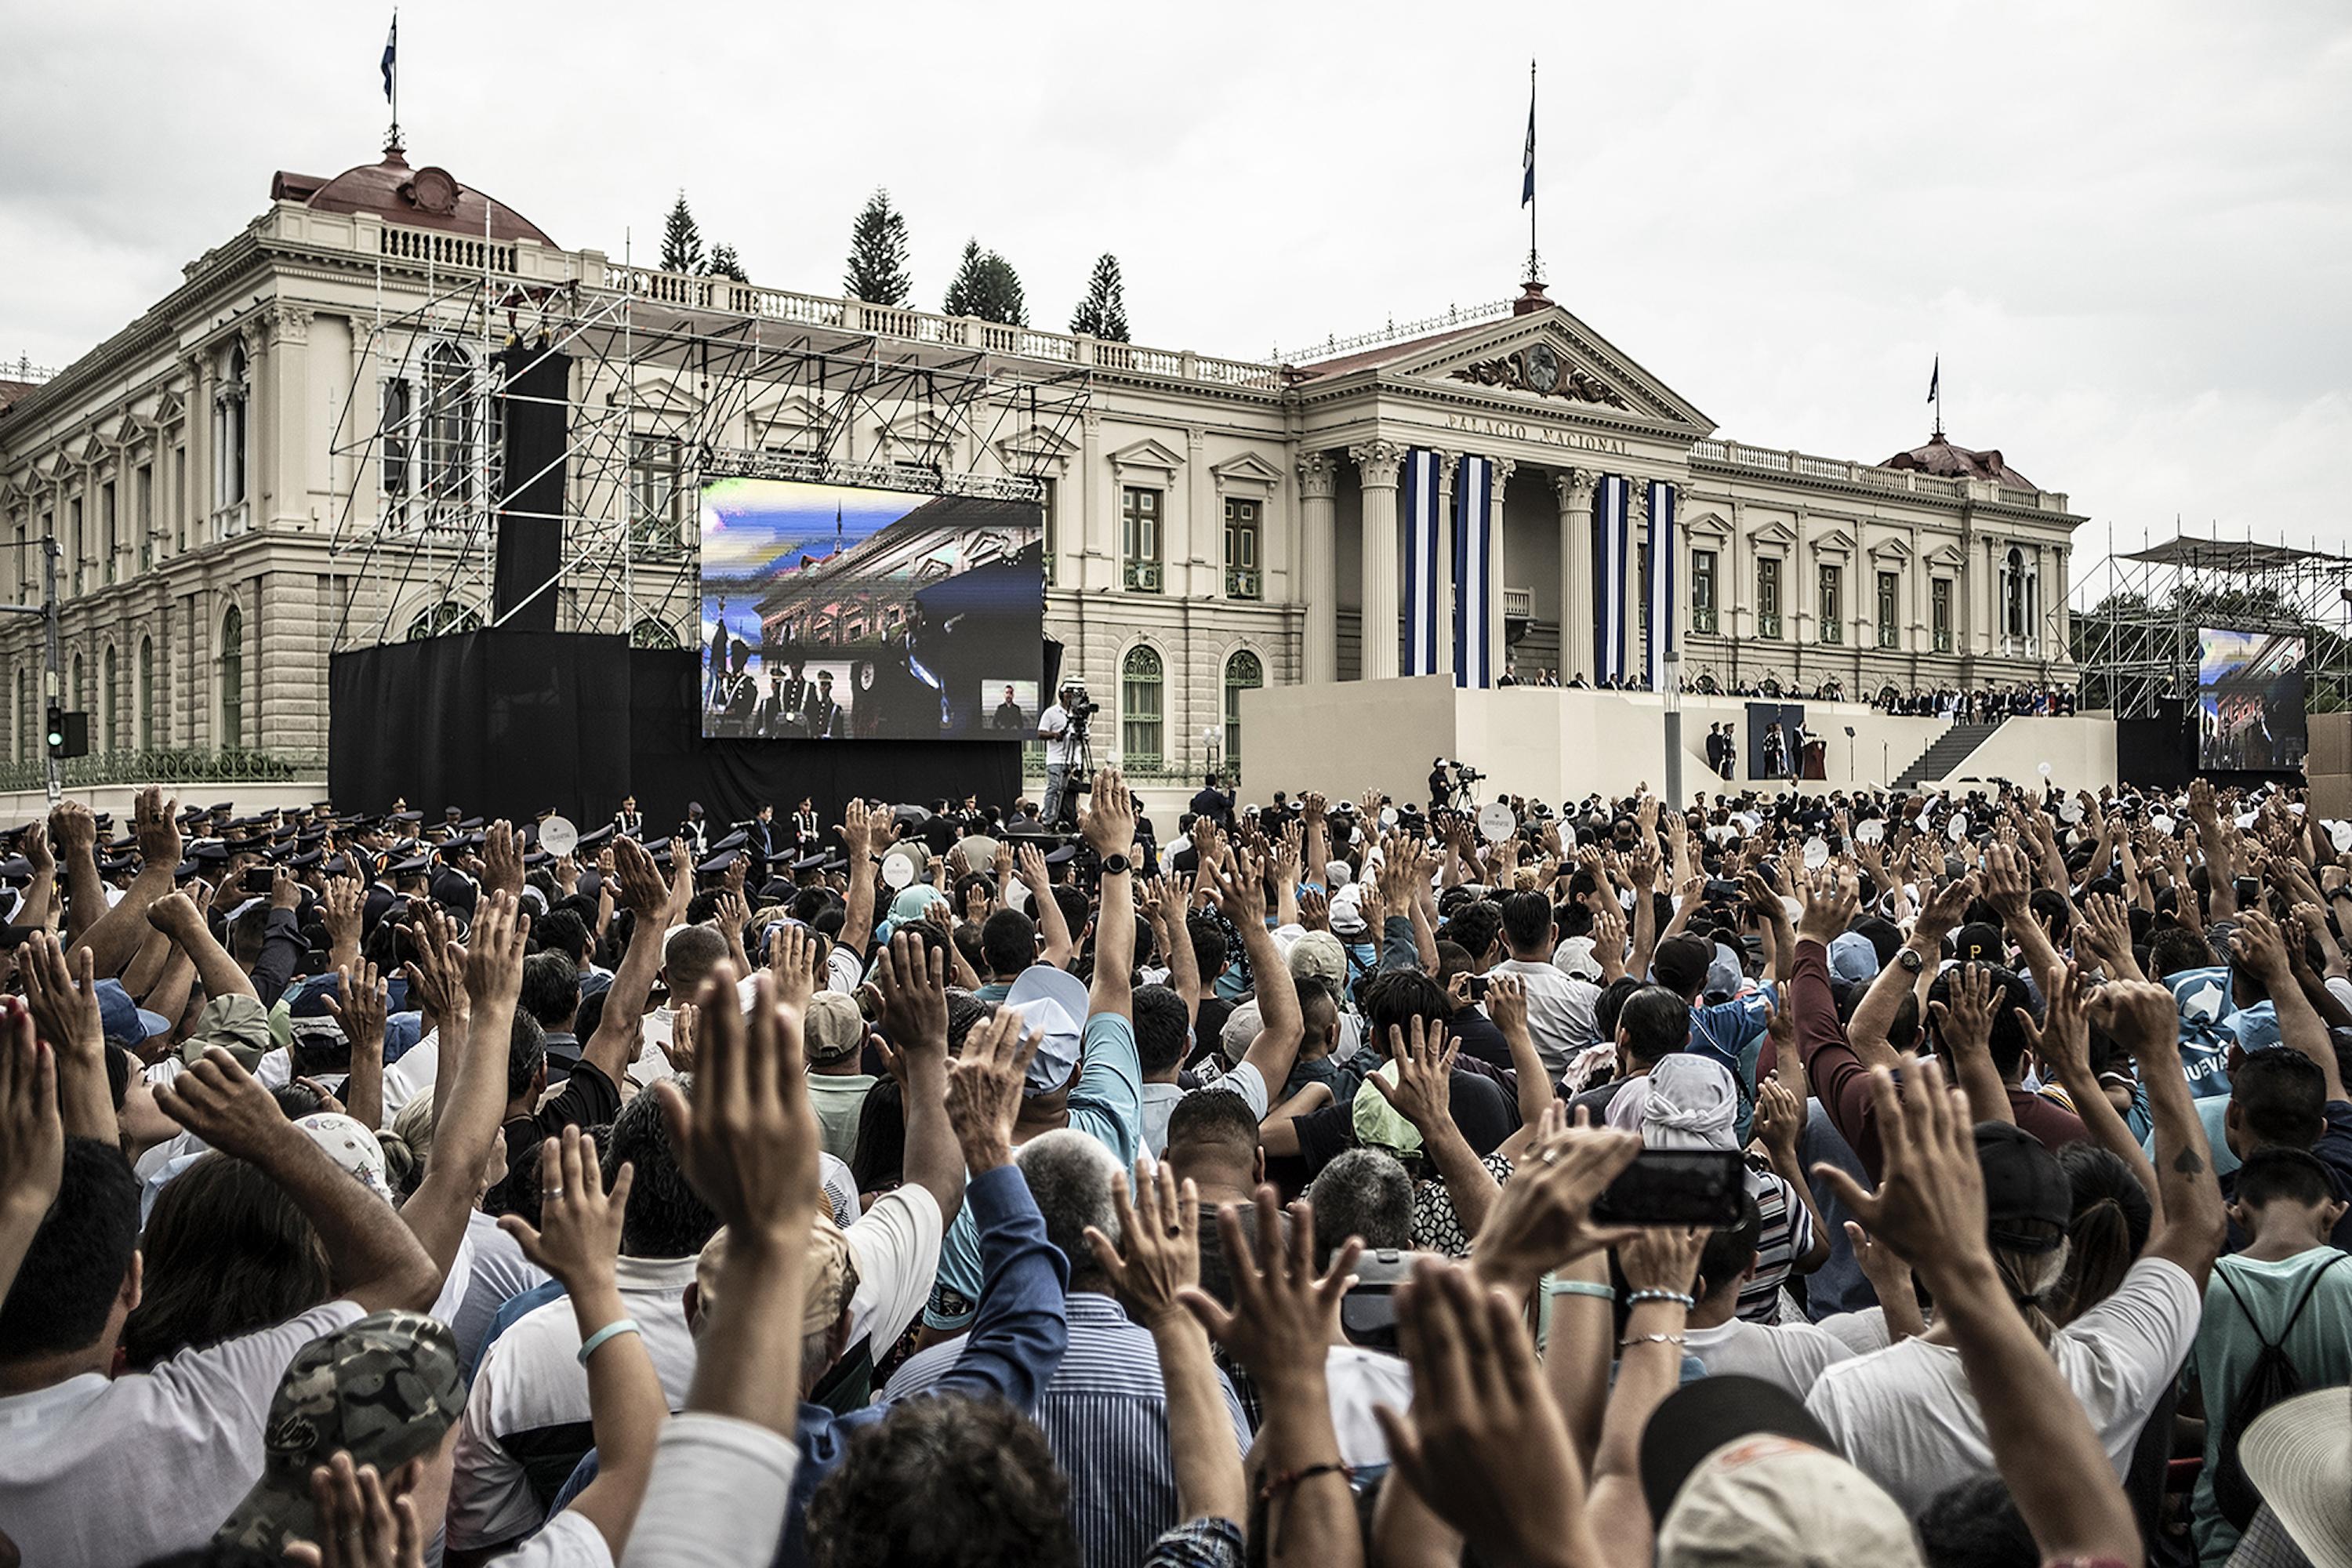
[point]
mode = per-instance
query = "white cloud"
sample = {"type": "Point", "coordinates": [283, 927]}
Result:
{"type": "Point", "coordinates": [2128, 227]}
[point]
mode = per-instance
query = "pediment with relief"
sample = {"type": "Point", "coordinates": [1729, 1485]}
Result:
{"type": "Point", "coordinates": [1550, 358]}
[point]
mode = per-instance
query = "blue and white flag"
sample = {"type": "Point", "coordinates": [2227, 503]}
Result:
{"type": "Point", "coordinates": [1473, 572]}
{"type": "Point", "coordinates": [391, 55]}
{"type": "Point", "coordinates": [1527, 162]}
{"type": "Point", "coordinates": [1611, 541]}
{"type": "Point", "coordinates": [1660, 624]}
{"type": "Point", "coordinates": [1423, 567]}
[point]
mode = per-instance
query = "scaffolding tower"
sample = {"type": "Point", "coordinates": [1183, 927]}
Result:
{"type": "Point", "coordinates": [671, 379]}
{"type": "Point", "coordinates": [2136, 645]}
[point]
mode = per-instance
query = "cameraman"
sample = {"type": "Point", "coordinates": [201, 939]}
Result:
{"type": "Point", "coordinates": [1054, 729]}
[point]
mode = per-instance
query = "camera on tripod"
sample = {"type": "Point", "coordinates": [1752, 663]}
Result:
{"type": "Point", "coordinates": [1077, 704]}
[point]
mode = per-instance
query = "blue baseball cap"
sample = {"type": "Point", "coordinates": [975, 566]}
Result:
{"type": "Point", "coordinates": [125, 1022]}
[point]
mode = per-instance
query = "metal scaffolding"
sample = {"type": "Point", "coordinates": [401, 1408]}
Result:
{"type": "Point", "coordinates": [672, 379]}
{"type": "Point", "coordinates": [2136, 643]}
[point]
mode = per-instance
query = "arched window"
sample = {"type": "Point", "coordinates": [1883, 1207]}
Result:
{"type": "Point", "coordinates": [229, 432]}
{"type": "Point", "coordinates": [2014, 615]}
{"type": "Point", "coordinates": [1140, 710]}
{"type": "Point", "coordinates": [448, 426]}
{"type": "Point", "coordinates": [1243, 673]}
{"type": "Point", "coordinates": [232, 679]}
{"type": "Point", "coordinates": [80, 686]}
{"type": "Point", "coordinates": [24, 715]}
{"type": "Point", "coordinates": [651, 633]}
{"type": "Point", "coordinates": [146, 694]}
{"type": "Point", "coordinates": [106, 690]}
{"type": "Point", "coordinates": [443, 618]}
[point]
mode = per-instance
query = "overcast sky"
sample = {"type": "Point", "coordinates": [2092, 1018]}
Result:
{"type": "Point", "coordinates": [2126, 228]}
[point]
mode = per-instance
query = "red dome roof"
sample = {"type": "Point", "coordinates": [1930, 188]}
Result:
{"type": "Point", "coordinates": [419, 198]}
{"type": "Point", "coordinates": [1940, 456]}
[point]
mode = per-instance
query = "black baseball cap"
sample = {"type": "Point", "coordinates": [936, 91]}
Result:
{"type": "Point", "coordinates": [1701, 1416]}
{"type": "Point", "coordinates": [2027, 1198]}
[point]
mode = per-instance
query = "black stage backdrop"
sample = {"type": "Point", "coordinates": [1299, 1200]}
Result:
{"type": "Point", "coordinates": [2158, 752]}
{"type": "Point", "coordinates": [505, 724]}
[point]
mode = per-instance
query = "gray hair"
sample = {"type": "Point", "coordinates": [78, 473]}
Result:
{"type": "Point", "coordinates": [1364, 1193]}
{"type": "Point", "coordinates": [1069, 1176]}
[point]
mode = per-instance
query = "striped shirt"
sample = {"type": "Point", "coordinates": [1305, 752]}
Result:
{"type": "Point", "coordinates": [1105, 1415]}
{"type": "Point", "coordinates": [1786, 1235]}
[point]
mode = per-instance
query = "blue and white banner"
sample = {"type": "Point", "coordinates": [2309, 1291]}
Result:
{"type": "Point", "coordinates": [1424, 569]}
{"type": "Point", "coordinates": [1660, 625]}
{"type": "Point", "coordinates": [1611, 541]}
{"type": "Point", "coordinates": [1473, 572]}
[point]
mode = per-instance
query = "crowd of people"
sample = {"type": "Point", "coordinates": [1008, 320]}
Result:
{"type": "Point", "coordinates": [1984, 705]}
{"type": "Point", "coordinates": [1873, 1179]}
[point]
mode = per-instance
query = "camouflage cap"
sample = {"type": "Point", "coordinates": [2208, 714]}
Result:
{"type": "Point", "coordinates": [387, 1388]}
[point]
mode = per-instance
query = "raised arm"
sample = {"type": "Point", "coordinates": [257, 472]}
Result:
{"type": "Point", "coordinates": [114, 936]}
{"type": "Point", "coordinates": [73, 834]}
{"type": "Point", "coordinates": [1965, 1026]}
{"type": "Point", "coordinates": [2214, 844]}
{"type": "Point", "coordinates": [2062, 1044]}
{"type": "Point", "coordinates": [1506, 1006]}
{"type": "Point", "coordinates": [637, 882]}
{"type": "Point", "coordinates": [177, 917]}
{"type": "Point", "coordinates": [1164, 901]}
{"type": "Point", "coordinates": [1060, 949]}
{"type": "Point", "coordinates": [2146, 1020]}
{"type": "Point", "coordinates": [1108, 825]}
{"type": "Point", "coordinates": [860, 831]}
{"type": "Point", "coordinates": [373, 1260]}
{"type": "Point", "coordinates": [64, 1002]}
{"type": "Point", "coordinates": [1422, 1095]}
{"type": "Point", "coordinates": [2259, 944]}
{"type": "Point", "coordinates": [467, 1123]}
{"type": "Point", "coordinates": [1282, 1027]}
{"type": "Point", "coordinates": [32, 1137]}
{"type": "Point", "coordinates": [1874, 1014]}
{"type": "Point", "coordinates": [915, 1012]}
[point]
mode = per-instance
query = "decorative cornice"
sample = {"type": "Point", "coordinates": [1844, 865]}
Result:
{"type": "Point", "coordinates": [1536, 369]}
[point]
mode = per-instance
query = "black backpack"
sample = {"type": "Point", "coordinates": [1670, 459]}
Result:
{"type": "Point", "coordinates": [2271, 1379]}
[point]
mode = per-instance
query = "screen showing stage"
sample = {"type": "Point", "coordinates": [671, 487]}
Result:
{"type": "Point", "coordinates": [2249, 700]}
{"type": "Point", "coordinates": [832, 611]}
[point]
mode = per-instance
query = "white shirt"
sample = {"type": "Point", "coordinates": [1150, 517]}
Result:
{"type": "Point", "coordinates": [108, 1472]}
{"type": "Point", "coordinates": [1356, 1379]}
{"type": "Point", "coordinates": [896, 1244]}
{"type": "Point", "coordinates": [568, 1542]}
{"type": "Point", "coordinates": [1053, 723]}
{"type": "Point", "coordinates": [718, 1494]}
{"type": "Point", "coordinates": [500, 1273]}
{"type": "Point", "coordinates": [1559, 1010]}
{"type": "Point", "coordinates": [530, 1381]}
{"type": "Point", "coordinates": [1160, 1102]}
{"type": "Point", "coordinates": [1791, 1355]}
{"type": "Point", "coordinates": [1908, 1419]}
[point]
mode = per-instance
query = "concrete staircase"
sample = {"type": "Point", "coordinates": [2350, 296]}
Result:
{"type": "Point", "coordinates": [1951, 749]}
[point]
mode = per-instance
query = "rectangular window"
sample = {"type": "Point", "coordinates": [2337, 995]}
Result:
{"type": "Point", "coordinates": [1642, 597]}
{"type": "Point", "coordinates": [1890, 586]}
{"type": "Point", "coordinates": [1702, 590]}
{"type": "Point", "coordinates": [1832, 612]}
{"type": "Point", "coordinates": [179, 498]}
{"type": "Point", "coordinates": [1242, 578]}
{"type": "Point", "coordinates": [23, 569]}
{"type": "Point", "coordinates": [1768, 597]}
{"type": "Point", "coordinates": [393, 446]}
{"type": "Point", "coordinates": [1141, 717]}
{"type": "Point", "coordinates": [1045, 507]}
{"type": "Point", "coordinates": [73, 539]}
{"type": "Point", "coordinates": [652, 490]}
{"type": "Point", "coordinates": [107, 534]}
{"type": "Point", "coordinates": [1139, 516]}
{"type": "Point", "coordinates": [144, 518]}
{"type": "Point", "coordinates": [1940, 594]}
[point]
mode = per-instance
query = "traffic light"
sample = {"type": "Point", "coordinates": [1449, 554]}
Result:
{"type": "Point", "coordinates": [69, 733]}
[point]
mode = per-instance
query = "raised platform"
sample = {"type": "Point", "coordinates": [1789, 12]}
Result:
{"type": "Point", "coordinates": [1549, 742]}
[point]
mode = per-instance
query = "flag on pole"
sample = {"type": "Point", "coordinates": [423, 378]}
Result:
{"type": "Point", "coordinates": [391, 55]}
{"type": "Point", "coordinates": [1527, 162]}
{"type": "Point", "coordinates": [1934, 378]}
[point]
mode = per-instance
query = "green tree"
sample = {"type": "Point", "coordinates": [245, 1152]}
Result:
{"type": "Point", "coordinates": [1103, 312]}
{"type": "Point", "coordinates": [681, 249]}
{"type": "Point", "coordinates": [723, 264]}
{"type": "Point", "coordinates": [877, 254]}
{"type": "Point", "coordinates": [985, 286]}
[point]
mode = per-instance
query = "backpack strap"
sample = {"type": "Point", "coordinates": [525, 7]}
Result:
{"type": "Point", "coordinates": [2310, 1286]}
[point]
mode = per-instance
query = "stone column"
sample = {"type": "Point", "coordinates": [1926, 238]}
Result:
{"type": "Point", "coordinates": [1498, 646]}
{"type": "Point", "coordinates": [1318, 573]}
{"type": "Point", "coordinates": [1447, 462]}
{"type": "Point", "coordinates": [2062, 623]}
{"type": "Point", "coordinates": [289, 413]}
{"type": "Point", "coordinates": [1377, 465]}
{"type": "Point", "coordinates": [1574, 489]}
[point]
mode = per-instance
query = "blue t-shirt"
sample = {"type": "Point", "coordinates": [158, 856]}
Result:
{"type": "Point", "coordinates": [2206, 1032]}
{"type": "Point", "coordinates": [1107, 1104]}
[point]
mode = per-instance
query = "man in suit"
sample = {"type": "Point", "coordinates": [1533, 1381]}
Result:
{"type": "Point", "coordinates": [759, 841]}
{"type": "Point", "coordinates": [1714, 750]}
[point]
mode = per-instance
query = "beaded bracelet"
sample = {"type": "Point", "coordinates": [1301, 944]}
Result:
{"type": "Point", "coordinates": [1686, 1304]}
{"type": "Point", "coordinates": [596, 1339]}
{"type": "Point", "coordinates": [1583, 1287]}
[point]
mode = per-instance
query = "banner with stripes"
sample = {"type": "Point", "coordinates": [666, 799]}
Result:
{"type": "Point", "coordinates": [1424, 569]}
{"type": "Point", "coordinates": [1611, 539]}
{"type": "Point", "coordinates": [1661, 624]}
{"type": "Point", "coordinates": [1473, 572]}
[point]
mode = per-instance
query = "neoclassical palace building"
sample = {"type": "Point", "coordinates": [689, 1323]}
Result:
{"type": "Point", "coordinates": [286, 455]}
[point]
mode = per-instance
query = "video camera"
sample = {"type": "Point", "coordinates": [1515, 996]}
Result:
{"type": "Point", "coordinates": [1076, 703]}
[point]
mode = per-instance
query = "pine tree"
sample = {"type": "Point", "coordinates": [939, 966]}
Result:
{"type": "Point", "coordinates": [963, 288]}
{"type": "Point", "coordinates": [985, 286]}
{"type": "Point", "coordinates": [1103, 312]}
{"type": "Point", "coordinates": [681, 249]}
{"type": "Point", "coordinates": [877, 254]}
{"type": "Point", "coordinates": [723, 264]}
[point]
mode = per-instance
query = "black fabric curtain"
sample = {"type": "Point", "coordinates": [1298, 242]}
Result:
{"type": "Point", "coordinates": [506, 723]}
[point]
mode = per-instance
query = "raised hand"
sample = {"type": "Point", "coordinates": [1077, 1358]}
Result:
{"type": "Point", "coordinates": [1484, 1445]}
{"type": "Point", "coordinates": [1780, 1122]}
{"type": "Point", "coordinates": [1241, 888]}
{"type": "Point", "coordinates": [219, 1101]}
{"type": "Point", "coordinates": [502, 859]}
{"type": "Point", "coordinates": [748, 1142]}
{"type": "Point", "coordinates": [1423, 1094]}
{"type": "Point", "coordinates": [155, 823]}
{"type": "Point", "coordinates": [1109, 820]}
{"type": "Point", "coordinates": [1965, 1021]}
{"type": "Point", "coordinates": [32, 1132]}
{"type": "Point", "coordinates": [683, 1019]}
{"type": "Point", "coordinates": [1507, 1003]}
{"type": "Point", "coordinates": [1284, 1316]}
{"type": "Point", "coordinates": [1159, 1249]}
{"type": "Point", "coordinates": [1542, 1219]}
{"type": "Point", "coordinates": [1314, 910]}
{"type": "Point", "coordinates": [914, 986]}
{"type": "Point", "coordinates": [2061, 1041]}
{"type": "Point", "coordinates": [985, 1089]}
{"type": "Point", "coordinates": [1832, 898]}
{"type": "Point", "coordinates": [579, 1233]}
{"type": "Point", "coordinates": [359, 1004]}
{"type": "Point", "coordinates": [72, 829]}
{"type": "Point", "coordinates": [636, 881]}
{"type": "Point", "coordinates": [360, 1523]}
{"type": "Point", "coordinates": [63, 997]}
{"type": "Point", "coordinates": [494, 958]}
{"type": "Point", "coordinates": [1930, 1207]}
{"type": "Point", "coordinates": [340, 909]}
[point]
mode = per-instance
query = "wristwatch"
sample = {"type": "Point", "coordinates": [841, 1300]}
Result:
{"type": "Point", "coordinates": [1115, 866]}
{"type": "Point", "coordinates": [1912, 959]}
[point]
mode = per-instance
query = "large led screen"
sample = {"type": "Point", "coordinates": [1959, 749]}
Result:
{"type": "Point", "coordinates": [833, 612]}
{"type": "Point", "coordinates": [2249, 700]}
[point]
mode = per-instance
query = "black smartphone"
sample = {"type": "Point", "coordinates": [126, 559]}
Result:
{"type": "Point", "coordinates": [1676, 1186]}
{"type": "Point", "coordinates": [1718, 892]}
{"type": "Point", "coordinates": [259, 879]}
{"type": "Point", "coordinates": [1368, 1312]}
{"type": "Point", "coordinates": [1478, 983]}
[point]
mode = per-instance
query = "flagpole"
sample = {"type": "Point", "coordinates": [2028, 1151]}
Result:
{"type": "Point", "coordinates": [1534, 273]}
